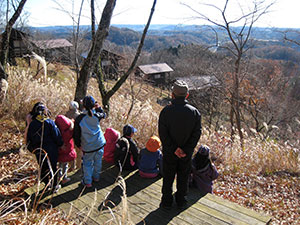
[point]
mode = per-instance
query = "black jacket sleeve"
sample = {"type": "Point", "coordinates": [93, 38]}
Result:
{"type": "Point", "coordinates": [77, 130]}
{"type": "Point", "coordinates": [134, 150]}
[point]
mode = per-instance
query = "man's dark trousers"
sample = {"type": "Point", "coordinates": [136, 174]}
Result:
{"type": "Point", "coordinates": [172, 165]}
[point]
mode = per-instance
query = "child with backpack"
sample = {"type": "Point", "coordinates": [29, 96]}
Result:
{"type": "Point", "coordinates": [43, 139]}
{"type": "Point", "coordinates": [150, 158]}
{"type": "Point", "coordinates": [126, 152]}
{"type": "Point", "coordinates": [89, 136]}
{"type": "Point", "coordinates": [66, 153]}
{"type": "Point", "coordinates": [203, 171]}
{"type": "Point", "coordinates": [111, 136]}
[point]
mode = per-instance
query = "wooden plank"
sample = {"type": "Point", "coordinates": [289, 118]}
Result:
{"type": "Point", "coordinates": [34, 189]}
{"type": "Point", "coordinates": [230, 212]}
{"type": "Point", "coordinates": [220, 216]}
{"type": "Point", "coordinates": [237, 207]}
{"type": "Point", "coordinates": [153, 194]}
{"type": "Point", "coordinates": [241, 213]}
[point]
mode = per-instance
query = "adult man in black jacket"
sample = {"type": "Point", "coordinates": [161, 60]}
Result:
{"type": "Point", "coordinates": [179, 129]}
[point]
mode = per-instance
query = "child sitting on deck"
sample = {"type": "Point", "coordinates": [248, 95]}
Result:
{"type": "Point", "coordinates": [150, 158]}
{"type": "Point", "coordinates": [203, 171]}
{"type": "Point", "coordinates": [126, 152]}
{"type": "Point", "coordinates": [111, 136]}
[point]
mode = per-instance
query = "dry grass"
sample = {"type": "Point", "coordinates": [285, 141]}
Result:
{"type": "Point", "coordinates": [259, 156]}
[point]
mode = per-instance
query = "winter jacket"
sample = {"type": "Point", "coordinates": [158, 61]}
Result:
{"type": "Point", "coordinates": [66, 152]}
{"type": "Point", "coordinates": [179, 126]}
{"type": "Point", "coordinates": [203, 178]}
{"type": "Point", "coordinates": [111, 136]}
{"type": "Point", "coordinates": [44, 129]}
{"type": "Point", "coordinates": [87, 131]}
{"type": "Point", "coordinates": [131, 160]}
{"type": "Point", "coordinates": [149, 162]}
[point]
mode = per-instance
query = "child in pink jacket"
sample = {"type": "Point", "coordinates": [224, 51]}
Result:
{"type": "Point", "coordinates": [111, 136]}
{"type": "Point", "coordinates": [67, 152]}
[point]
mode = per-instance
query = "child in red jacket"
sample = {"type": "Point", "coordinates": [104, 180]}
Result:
{"type": "Point", "coordinates": [67, 152]}
{"type": "Point", "coordinates": [111, 136]}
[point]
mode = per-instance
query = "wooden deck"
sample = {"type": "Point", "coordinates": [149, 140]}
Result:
{"type": "Point", "coordinates": [142, 203]}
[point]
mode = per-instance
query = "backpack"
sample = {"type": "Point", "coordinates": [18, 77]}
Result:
{"type": "Point", "coordinates": [121, 151]}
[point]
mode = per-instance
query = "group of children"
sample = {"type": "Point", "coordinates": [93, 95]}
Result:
{"type": "Point", "coordinates": [57, 138]}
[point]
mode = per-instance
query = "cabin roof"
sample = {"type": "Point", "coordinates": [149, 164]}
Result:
{"type": "Point", "coordinates": [53, 43]}
{"type": "Point", "coordinates": [106, 52]}
{"type": "Point", "coordinates": [155, 68]}
{"type": "Point", "coordinates": [200, 82]}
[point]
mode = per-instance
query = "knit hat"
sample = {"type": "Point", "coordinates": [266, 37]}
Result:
{"type": "Point", "coordinates": [128, 130]}
{"type": "Point", "coordinates": [180, 88]}
{"type": "Point", "coordinates": [74, 105]}
{"type": "Point", "coordinates": [88, 102]}
{"type": "Point", "coordinates": [153, 144]}
{"type": "Point", "coordinates": [203, 150]}
{"type": "Point", "coordinates": [38, 109]}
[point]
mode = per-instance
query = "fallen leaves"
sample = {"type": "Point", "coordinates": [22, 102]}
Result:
{"type": "Point", "coordinates": [17, 171]}
{"type": "Point", "coordinates": [277, 194]}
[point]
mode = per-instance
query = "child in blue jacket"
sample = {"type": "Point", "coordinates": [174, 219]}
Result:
{"type": "Point", "coordinates": [150, 158]}
{"type": "Point", "coordinates": [44, 138]}
{"type": "Point", "coordinates": [89, 136]}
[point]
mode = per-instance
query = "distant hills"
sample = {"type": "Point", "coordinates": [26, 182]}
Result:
{"type": "Point", "coordinates": [165, 36]}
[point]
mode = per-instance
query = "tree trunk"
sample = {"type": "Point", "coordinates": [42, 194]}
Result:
{"type": "Point", "coordinates": [236, 98]}
{"type": "Point", "coordinates": [94, 53]}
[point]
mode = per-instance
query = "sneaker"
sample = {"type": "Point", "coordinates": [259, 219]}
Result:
{"type": "Point", "coordinates": [88, 185]}
{"type": "Point", "coordinates": [66, 180]}
{"type": "Point", "coordinates": [57, 187]}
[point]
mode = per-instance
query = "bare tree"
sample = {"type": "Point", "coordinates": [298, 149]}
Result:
{"type": "Point", "coordinates": [239, 37]}
{"type": "Point", "coordinates": [94, 53]}
{"type": "Point", "coordinates": [107, 94]}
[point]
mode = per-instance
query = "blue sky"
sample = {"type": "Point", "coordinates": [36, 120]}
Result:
{"type": "Point", "coordinates": [285, 13]}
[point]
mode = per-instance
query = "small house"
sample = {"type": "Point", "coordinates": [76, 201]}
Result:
{"type": "Point", "coordinates": [202, 91]}
{"type": "Point", "coordinates": [19, 44]}
{"type": "Point", "coordinates": [156, 73]}
{"type": "Point", "coordinates": [110, 63]}
{"type": "Point", "coordinates": [54, 49]}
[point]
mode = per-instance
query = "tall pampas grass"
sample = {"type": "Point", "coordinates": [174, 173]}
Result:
{"type": "Point", "coordinates": [143, 117]}
{"type": "Point", "coordinates": [259, 155]}
{"type": "Point", "coordinates": [24, 91]}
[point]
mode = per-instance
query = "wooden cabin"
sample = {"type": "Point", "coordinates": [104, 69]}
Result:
{"type": "Point", "coordinates": [110, 63]}
{"type": "Point", "coordinates": [159, 73]}
{"type": "Point", "coordinates": [202, 91]}
{"type": "Point", "coordinates": [54, 49]}
{"type": "Point", "coordinates": [19, 45]}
